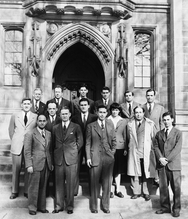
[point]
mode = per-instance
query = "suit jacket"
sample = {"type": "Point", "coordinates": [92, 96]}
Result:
{"type": "Point", "coordinates": [125, 110]}
{"type": "Point", "coordinates": [134, 168]}
{"type": "Point", "coordinates": [93, 141]}
{"type": "Point", "coordinates": [169, 148]}
{"type": "Point", "coordinates": [100, 102]}
{"type": "Point", "coordinates": [156, 115]}
{"type": "Point", "coordinates": [37, 150]}
{"type": "Point", "coordinates": [17, 130]}
{"type": "Point", "coordinates": [76, 106]}
{"type": "Point", "coordinates": [49, 124]}
{"type": "Point", "coordinates": [78, 120]}
{"type": "Point", "coordinates": [40, 109]}
{"type": "Point", "coordinates": [63, 103]}
{"type": "Point", "coordinates": [120, 132]}
{"type": "Point", "coordinates": [69, 146]}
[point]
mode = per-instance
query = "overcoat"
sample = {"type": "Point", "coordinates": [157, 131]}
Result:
{"type": "Point", "coordinates": [134, 168]}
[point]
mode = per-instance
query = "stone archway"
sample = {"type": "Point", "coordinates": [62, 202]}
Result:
{"type": "Point", "coordinates": [78, 65]}
{"type": "Point", "coordinates": [68, 36]}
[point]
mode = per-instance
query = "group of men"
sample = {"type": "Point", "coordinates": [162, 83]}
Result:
{"type": "Point", "coordinates": [56, 136]}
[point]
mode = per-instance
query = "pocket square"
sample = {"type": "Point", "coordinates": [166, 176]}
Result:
{"type": "Point", "coordinates": [71, 133]}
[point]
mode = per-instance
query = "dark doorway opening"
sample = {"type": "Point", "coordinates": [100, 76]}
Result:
{"type": "Point", "coordinates": [77, 65]}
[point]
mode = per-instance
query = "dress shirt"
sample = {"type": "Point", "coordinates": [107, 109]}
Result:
{"type": "Point", "coordinates": [86, 116]}
{"type": "Point", "coordinates": [150, 104]}
{"type": "Point", "coordinates": [36, 103]}
{"type": "Point", "coordinates": [105, 102]}
{"type": "Point", "coordinates": [28, 115]}
{"type": "Point", "coordinates": [65, 124]}
{"type": "Point", "coordinates": [99, 122]}
{"type": "Point", "coordinates": [169, 129]}
{"type": "Point", "coordinates": [41, 131]}
{"type": "Point", "coordinates": [52, 118]}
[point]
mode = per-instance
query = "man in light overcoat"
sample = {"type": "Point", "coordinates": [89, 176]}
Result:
{"type": "Point", "coordinates": [140, 132]}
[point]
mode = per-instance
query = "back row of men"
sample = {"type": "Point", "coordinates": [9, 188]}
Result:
{"type": "Point", "coordinates": [80, 129]}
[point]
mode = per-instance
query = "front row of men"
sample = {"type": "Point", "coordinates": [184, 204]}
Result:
{"type": "Point", "coordinates": [62, 151]}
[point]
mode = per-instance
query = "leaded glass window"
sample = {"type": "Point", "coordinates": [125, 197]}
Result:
{"type": "Point", "coordinates": [142, 60]}
{"type": "Point", "coordinates": [13, 57]}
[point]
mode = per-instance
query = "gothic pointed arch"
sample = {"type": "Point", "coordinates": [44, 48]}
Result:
{"type": "Point", "coordinates": [70, 35]}
{"type": "Point", "coordinates": [80, 32]}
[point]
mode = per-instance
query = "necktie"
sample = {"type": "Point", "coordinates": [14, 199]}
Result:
{"type": "Point", "coordinates": [43, 133]}
{"type": "Point", "coordinates": [166, 133]}
{"type": "Point", "coordinates": [139, 124]}
{"type": "Point", "coordinates": [149, 109]}
{"type": "Point", "coordinates": [53, 119]}
{"type": "Point", "coordinates": [105, 102]}
{"type": "Point", "coordinates": [25, 118]}
{"type": "Point", "coordinates": [36, 106]}
{"type": "Point", "coordinates": [84, 120]}
{"type": "Point", "coordinates": [130, 110]}
{"type": "Point", "coordinates": [102, 125]}
{"type": "Point", "coordinates": [64, 127]}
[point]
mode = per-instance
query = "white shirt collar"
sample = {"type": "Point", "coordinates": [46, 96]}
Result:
{"type": "Point", "coordinates": [152, 105]}
{"type": "Point", "coordinates": [169, 129]}
{"type": "Point", "coordinates": [40, 130]}
{"type": "Point", "coordinates": [23, 113]}
{"type": "Point", "coordinates": [86, 114]}
{"type": "Point", "coordinates": [99, 122]}
{"type": "Point", "coordinates": [65, 123]}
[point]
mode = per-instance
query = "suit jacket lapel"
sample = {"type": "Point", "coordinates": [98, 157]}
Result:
{"type": "Point", "coordinates": [30, 119]}
{"type": "Point", "coordinates": [39, 137]}
{"type": "Point", "coordinates": [172, 133]}
{"type": "Point", "coordinates": [97, 128]}
{"type": "Point", "coordinates": [20, 118]}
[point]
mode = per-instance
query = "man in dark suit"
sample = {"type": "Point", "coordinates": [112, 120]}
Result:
{"type": "Point", "coordinates": [20, 124]}
{"type": "Point", "coordinates": [37, 151]}
{"type": "Point", "coordinates": [67, 142]}
{"type": "Point", "coordinates": [105, 100]}
{"type": "Point", "coordinates": [83, 119]}
{"type": "Point", "coordinates": [83, 94]}
{"type": "Point", "coordinates": [37, 105]}
{"type": "Point", "coordinates": [52, 120]}
{"type": "Point", "coordinates": [52, 117]}
{"type": "Point", "coordinates": [167, 146]}
{"type": "Point", "coordinates": [61, 102]}
{"type": "Point", "coordinates": [100, 149]}
{"type": "Point", "coordinates": [128, 105]}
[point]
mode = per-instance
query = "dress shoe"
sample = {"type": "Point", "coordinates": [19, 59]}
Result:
{"type": "Point", "coordinates": [147, 197]}
{"type": "Point", "coordinates": [111, 195]}
{"type": "Point", "coordinates": [14, 195]}
{"type": "Point", "coordinates": [135, 196]}
{"type": "Point", "coordinates": [94, 211]}
{"type": "Point", "coordinates": [69, 211]}
{"type": "Point", "coordinates": [175, 214]}
{"type": "Point", "coordinates": [43, 211]}
{"type": "Point", "coordinates": [26, 195]}
{"type": "Point", "coordinates": [162, 211]}
{"type": "Point", "coordinates": [119, 194]}
{"type": "Point", "coordinates": [32, 212]}
{"type": "Point", "coordinates": [55, 211]}
{"type": "Point", "coordinates": [106, 211]}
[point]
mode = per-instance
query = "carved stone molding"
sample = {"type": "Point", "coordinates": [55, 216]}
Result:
{"type": "Point", "coordinates": [89, 11]}
{"type": "Point", "coordinates": [79, 35]}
